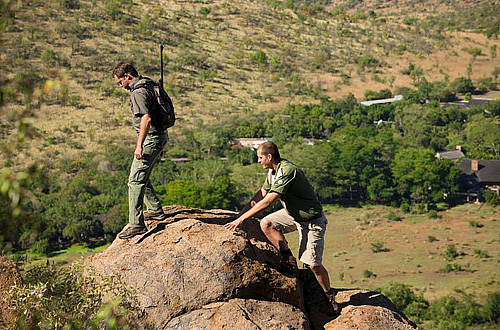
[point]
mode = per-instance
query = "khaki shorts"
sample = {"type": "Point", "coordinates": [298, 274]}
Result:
{"type": "Point", "coordinates": [311, 235]}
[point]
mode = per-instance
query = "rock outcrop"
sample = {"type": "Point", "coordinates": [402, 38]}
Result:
{"type": "Point", "coordinates": [188, 272]}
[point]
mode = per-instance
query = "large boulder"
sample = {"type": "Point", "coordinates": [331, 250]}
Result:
{"type": "Point", "coordinates": [241, 314]}
{"type": "Point", "coordinates": [361, 310]}
{"type": "Point", "coordinates": [190, 261]}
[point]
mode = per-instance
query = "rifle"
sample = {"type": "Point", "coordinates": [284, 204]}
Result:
{"type": "Point", "coordinates": [161, 65]}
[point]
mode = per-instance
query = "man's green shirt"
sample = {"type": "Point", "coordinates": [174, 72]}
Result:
{"type": "Point", "coordinates": [296, 192]}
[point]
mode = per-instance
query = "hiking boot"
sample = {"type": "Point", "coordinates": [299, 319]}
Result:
{"type": "Point", "coordinates": [288, 264]}
{"type": "Point", "coordinates": [150, 216]}
{"type": "Point", "coordinates": [131, 232]}
{"type": "Point", "coordinates": [330, 301]}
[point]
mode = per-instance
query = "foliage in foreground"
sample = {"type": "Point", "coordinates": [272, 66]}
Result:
{"type": "Point", "coordinates": [453, 312]}
{"type": "Point", "coordinates": [62, 298]}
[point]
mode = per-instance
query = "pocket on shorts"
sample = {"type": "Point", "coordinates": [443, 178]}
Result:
{"type": "Point", "coordinates": [314, 226]}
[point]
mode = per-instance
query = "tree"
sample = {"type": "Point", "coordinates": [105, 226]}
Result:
{"type": "Point", "coordinates": [463, 85]}
{"type": "Point", "coordinates": [483, 137]}
{"type": "Point", "coordinates": [219, 193]}
{"type": "Point", "coordinates": [362, 154]}
{"type": "Point", "coordinates": [474, 52]}
{"type": "Point", "coordinates": [316, 161]}
{"type": "Point", "coordinates": [382, 94]}
{"type": "Point", "coordinates": [495, 73]}
{"type": "Point", "coordinates": [436, 91]}
{"type": "Point", "coordinates": [422, 178]}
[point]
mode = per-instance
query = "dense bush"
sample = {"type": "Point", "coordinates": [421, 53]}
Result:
{"type": "Point", "coordinates": [57, 298]}
{"type": "Point", "coordinates": [491, 197]}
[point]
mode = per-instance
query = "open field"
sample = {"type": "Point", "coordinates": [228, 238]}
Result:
{"type": "Point", "coordinates": [413, 250]}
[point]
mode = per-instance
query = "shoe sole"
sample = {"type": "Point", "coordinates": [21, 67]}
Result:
{"type": "Point", "coordinates": [131, 235]}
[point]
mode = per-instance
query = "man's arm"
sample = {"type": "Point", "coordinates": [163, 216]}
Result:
{"type": "Point", "coordinates": [143, 131]}
{"type": "Point", "coordinates": [259, 195]}
{"type": "Point", "coordinates": [260, 206]}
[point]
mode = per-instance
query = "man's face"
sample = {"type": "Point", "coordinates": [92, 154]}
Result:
{"type": "Point", "coordinates": [264, 160]}
{"type": "Point", "coordinates": [123, 82]}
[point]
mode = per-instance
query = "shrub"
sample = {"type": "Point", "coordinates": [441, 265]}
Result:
{"type": "Point", "coordinates": [478, 253]}
{"type": "Point", "coordinates": [382, 94]}
{"type": "Point", "coordinates": [451, 252]}
{"type": "Point", "coordinates": [474, 52]}
{"type": "Point", "coordinates": [455, 267]}
{"type": "Point", "coordinates": [400, 294]}
{"type": "Point", "coordinates": [379, 247]}
{"type": "Point", "coordinates": [368, 273]}
{"type": "Point", "coordinates": [393, 217]}
{"type": "Point", "coordinates": [405, 207]}
{"type": "Point", "coordinates": [259, 57]}
{"type": "Point", "coordinates": [455, 313]}
{"type": "Point", "coordinates": [462, 85]}
{"type": "Point", "coordinates": [433, 214]}
{"type": "Point", "coordinates": [204, 11]}
{"type": "Point", "coordinates": [113, 8]}
{"type": "Point", "coordinates": [41, 246]}
{"type": "Point", "coordinates": [485, 84]}
{"type": "Point", "coordinates": [367, 61]}
{"type": "Point", "coordinates": [69, 4]}
{"type": "Point", "coordinates": [49, 58]}
{"type": "Point", "coordinates": [475, 224]}
{"type": "Point", "coordinates": [57, 297]}
{"type": "Point", "coordinates": [431, 239]}
{"type": "Point", "coordinates": [492, 307]}
{"type": "Point", "coordinates": [491, 198]}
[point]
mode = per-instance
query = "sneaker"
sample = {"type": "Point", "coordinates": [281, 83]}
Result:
{"type": "Point", "coordinates": [150, 216]}
{"type": "Point", "coordinates": [131, 232]}
{"type": "Point", "coordinates": [288, 264]}
{"type": "Point", "coordinates": [330, 300]}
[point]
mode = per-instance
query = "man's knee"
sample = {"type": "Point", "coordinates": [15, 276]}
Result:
{"type": "Point", "coordinates": [266, 225]}
{"type": "Point", "coordinates": [316, 268]}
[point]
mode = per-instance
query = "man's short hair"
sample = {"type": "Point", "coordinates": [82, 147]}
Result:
{"type": "Point", "coordinates": [269, 148]}
{"type": "Point", "coordinates": [124, 68]}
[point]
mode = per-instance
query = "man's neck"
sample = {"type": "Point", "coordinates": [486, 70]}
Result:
{"type": "Point", "coordinates": [276, 164]}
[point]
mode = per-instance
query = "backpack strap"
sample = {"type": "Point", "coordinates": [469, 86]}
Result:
{"type": "Point", "coordinates": [149, 84]}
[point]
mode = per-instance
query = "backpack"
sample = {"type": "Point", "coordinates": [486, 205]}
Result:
{"type": "Point", "coordinates": [163, 102]}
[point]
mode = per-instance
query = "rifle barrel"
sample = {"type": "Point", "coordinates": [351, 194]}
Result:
{"type": "Point", "coordinates": [161, 64]}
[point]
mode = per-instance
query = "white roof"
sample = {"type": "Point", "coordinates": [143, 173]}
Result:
{"type": "Point", "coordinates": [382, 101]}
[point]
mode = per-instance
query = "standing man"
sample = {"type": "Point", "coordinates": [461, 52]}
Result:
{"type": "Point", "coordinates": [301, 211]}
{"type": "Point", "coordinates": [151, 140]}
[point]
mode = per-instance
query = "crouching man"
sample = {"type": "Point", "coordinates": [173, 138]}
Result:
{"type": "Point", "coordinates": [301, 211]}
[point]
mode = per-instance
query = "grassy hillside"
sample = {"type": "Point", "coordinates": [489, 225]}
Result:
{"type": "Point", "coordinates": [225, 59]}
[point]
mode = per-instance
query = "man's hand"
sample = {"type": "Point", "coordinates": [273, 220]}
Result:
{"type": "Point", "coordinates": [138, 152]}
{"type": "Point", "coordinates": [233, 224]}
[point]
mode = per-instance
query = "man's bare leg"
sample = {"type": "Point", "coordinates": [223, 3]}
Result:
{"type": "Point", "coordinates": [276, 238]}
{"type": "Point", "coordinates": [321, 276]}
{"type": "Point", "coordinates": [324, 281]}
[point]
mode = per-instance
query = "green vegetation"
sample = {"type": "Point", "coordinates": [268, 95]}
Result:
{"type": "Point", "coordinates": [459, 311]}
{"type": "Point", "coordinates": [53, 298]}
{"type": "Point", "coordinates": [379, 247]}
